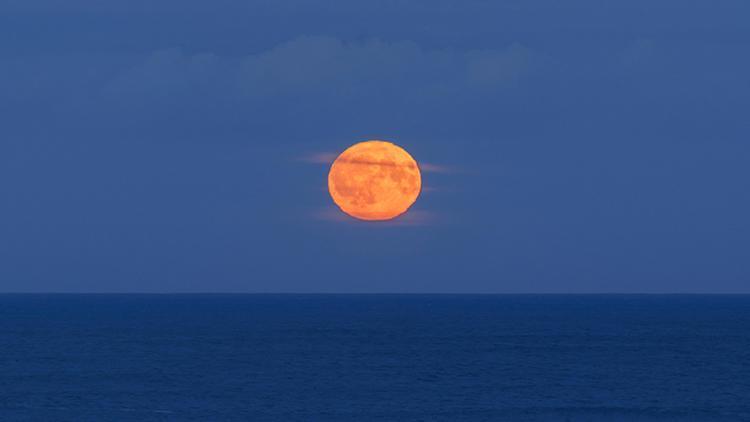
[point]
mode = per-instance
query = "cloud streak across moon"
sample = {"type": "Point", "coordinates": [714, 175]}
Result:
{"type": "Point", "coordinates": [327, 158]}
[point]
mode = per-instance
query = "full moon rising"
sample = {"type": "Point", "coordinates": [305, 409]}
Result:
{"type": "Point", "coordinates": [374, 180]}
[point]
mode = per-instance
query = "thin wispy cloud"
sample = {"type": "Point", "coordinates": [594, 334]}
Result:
{"type": "Point", "coordinates": [318, 158]}
{"type": "Point", "coordinates": [329, 157]}
{"type": "Point", "coordinates": [436, 168]}
{"type": "Point", "coordinates": [410, 218]}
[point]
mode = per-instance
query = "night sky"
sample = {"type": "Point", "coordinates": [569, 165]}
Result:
{"type": "Point", "coordinates": [180, 145]}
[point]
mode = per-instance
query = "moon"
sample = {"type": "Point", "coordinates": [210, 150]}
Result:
{"type": "Point", "coordinates": [374, 180]}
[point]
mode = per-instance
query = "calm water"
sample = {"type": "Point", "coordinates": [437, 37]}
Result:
{"type": "Point", "coordinates": [374, 358]}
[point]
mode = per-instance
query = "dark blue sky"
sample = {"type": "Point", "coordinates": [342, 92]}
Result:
{"type": "Point", "coordinates": [590, 146]}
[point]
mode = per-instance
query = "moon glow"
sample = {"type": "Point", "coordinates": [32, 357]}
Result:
{"type": "Point", "coordinates": [374, 180]}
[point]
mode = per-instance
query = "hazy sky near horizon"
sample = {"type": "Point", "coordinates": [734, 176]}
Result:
{"type": "Point", "coordinates": [584, 146]}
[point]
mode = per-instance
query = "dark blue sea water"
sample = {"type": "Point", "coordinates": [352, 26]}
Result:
{"type": "Point", "coordinates": [374, 358]}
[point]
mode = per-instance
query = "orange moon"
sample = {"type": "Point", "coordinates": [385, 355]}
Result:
{"type": "Point", "coordinates": [374, 180]}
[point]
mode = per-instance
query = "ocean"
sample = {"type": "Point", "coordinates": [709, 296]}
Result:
{"type": "Point", "coordinates": [374, 358]}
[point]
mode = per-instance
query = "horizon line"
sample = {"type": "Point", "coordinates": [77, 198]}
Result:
{"type": "Point", "coordinates": [392, 293]}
